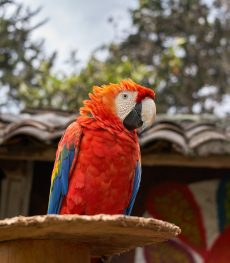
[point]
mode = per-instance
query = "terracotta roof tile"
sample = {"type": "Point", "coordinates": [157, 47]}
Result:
{"type": "Point", "coordinates": [44, 127]}
{"type": "Point", "coordinates": [189, 135]}
{"type": "Point", "coordinates": [184, 134]}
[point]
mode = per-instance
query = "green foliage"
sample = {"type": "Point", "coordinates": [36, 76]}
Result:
{"type": "Point", "coordinates": [98, 72]}
{"type": "Point", "coordinates": [178, 48]}
{"type": "Point", "coordinates": [67, 92]}
{"type": "Point", "coordinates": [20, 58]}
{"type": "Point", "coordinates": [28, 74]}
{"type": "Point", "coordinates": [188, 44]}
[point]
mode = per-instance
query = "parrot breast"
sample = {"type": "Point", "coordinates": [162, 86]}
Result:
{"type": "Point", "coordinates": [102, 180]}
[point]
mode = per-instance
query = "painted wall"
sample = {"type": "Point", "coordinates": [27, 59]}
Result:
{"type": "Point", "coordinates": [202, 210]}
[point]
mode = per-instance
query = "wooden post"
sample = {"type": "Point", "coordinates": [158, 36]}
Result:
{"type": "Point", "coordinates": [42, 251]}
{"type": "Point", "coordinates": [74, 238]}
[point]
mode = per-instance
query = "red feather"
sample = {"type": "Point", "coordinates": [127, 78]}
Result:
{"type": "Point", "coordinates": [105, 158]}
{"type": "Point", "coordinates": [102, 180]}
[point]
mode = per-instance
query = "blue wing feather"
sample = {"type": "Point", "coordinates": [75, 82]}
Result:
{"type": "Point", "coordinates": [66, 158]}
{"type": "Point", "coordinates": [136, 185]}
{"type": "Point", "coordinates": [60, 184]}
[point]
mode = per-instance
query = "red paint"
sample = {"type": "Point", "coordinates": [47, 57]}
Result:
{"type": "Point", "coordinates": [168, 252]}
{"type": "Point", "coordinates": [220, 252]}
{"type": "Point", "coordinates": [175, 203]}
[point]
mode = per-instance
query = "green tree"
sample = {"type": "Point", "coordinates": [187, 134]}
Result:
{"type": "Point", "coordinates": [68, 91]}
{"type": "Point", "coordinates": [20, 57]}
{"type": "Point", "coordinates": [28, 75]}
{"type": "Point", "coordinates": [181, 48]}
{"type": "Point", "coordinates": [187, 42]}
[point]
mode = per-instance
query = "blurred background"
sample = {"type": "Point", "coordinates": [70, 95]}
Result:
{"type": "Point", "coordinates": [53, 52]}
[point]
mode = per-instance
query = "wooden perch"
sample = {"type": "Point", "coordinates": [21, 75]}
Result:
{"type": "Point", "coordinates": [74, 238]}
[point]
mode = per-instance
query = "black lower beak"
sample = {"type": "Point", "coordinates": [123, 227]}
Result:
{"type": "Point", "coordinates": [133, 119]}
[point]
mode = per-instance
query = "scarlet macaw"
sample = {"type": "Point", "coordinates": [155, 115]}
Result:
{"type": "Point", "coordinates": [97, 167]}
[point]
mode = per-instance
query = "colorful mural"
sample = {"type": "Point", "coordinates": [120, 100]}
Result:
{"type": "Point", "coordinates": [202, 210]}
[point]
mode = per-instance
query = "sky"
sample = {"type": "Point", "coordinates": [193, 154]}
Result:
{"type": "Point", "coordinates": [79, 24]}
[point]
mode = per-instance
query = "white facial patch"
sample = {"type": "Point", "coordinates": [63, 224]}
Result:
{"type": "Point", "coordinates": [125, 102]}
{"type": "Point", "coordinates": [148, 113]}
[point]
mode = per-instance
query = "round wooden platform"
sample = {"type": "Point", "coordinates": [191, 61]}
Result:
{"type": "Point", "coordinates": [103, 234]}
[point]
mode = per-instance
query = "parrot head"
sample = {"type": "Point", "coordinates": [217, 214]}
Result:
{"type": "Point", "coordinates": [126, 103]}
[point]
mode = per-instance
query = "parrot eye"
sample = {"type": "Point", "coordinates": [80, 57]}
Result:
{"type": "Point", "coordinates": [125, 102]}
{"type": "Point", "coordinates": [125, 96]}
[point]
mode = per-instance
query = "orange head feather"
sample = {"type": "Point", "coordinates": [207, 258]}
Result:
{"type": "Point", "coordinates": [101, 104]}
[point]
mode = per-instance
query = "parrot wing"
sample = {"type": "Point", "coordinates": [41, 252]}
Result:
{"type": "Point", "coordinates": [66, 158]}
{"type": "Point", "coordinates": [136, 185]}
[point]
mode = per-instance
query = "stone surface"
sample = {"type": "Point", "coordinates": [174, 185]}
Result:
{"type": "Point", "coordinates": [103, 234]}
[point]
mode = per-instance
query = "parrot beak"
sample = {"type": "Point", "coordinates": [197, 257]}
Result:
{"type": "Point", "coordinates": [133, 119]}
{"type": "Point", "coordinates": [143, 115]}
{"type": "Point", "coordinates": [148, 113]}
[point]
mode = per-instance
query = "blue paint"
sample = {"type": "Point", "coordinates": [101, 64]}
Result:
{"type": "Point", "coordinates": [221, 199]}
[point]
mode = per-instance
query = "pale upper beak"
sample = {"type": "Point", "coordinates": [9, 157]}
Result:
{"type": "Point", "coordinates": [142, 116]}
{"type": "Point", "coordinates": [148, 113]}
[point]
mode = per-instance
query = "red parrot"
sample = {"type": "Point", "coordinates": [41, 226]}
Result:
{"type": "Point", "coordinates": [97, 167]}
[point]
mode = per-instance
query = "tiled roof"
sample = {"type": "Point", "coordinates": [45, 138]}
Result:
{"type": "Point", "coordinates": [188, 135]}
{"type": "Point", "coordinates": [43, 126]}
{"type": "Point", "coordinates": [184, 134]}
